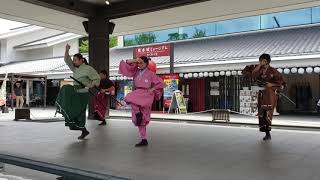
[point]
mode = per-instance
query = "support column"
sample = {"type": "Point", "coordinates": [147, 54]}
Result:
{"type": "Point", "coordinates": [28, 93]}
{"type": "Point", "coordinates": [45, 92]}
{"type": "Point", "coordinates": [12, 90]}
{"type": "Point", "coordinates": [98, 30]}
{"type": "Point", "coordinates": [171, 58]}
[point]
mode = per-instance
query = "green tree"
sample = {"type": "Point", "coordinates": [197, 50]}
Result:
{"type": "Point", "coordinates": [113, 41]}
{"type": "Point", "coordinates": [145, 38]}
{"type": "Point", "coordinates": [129, 42]}
{"type": "Point", "coordinates": [84, 44]}
{"type": "Point", "coordinates": [199, 33]}
{"type": "Point", "coordinates": [177, 36]}
{"type": "Point", "coordinates": [183, 36]}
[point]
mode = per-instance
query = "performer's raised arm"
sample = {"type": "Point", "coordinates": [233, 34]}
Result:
{"type": "Point", "coordinates": [68, 59]}
{"type": "Point", "coordinates": [129, 67]}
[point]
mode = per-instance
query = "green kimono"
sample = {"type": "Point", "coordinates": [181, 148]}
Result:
{"type": "Point", "coordinates": [72, 101]}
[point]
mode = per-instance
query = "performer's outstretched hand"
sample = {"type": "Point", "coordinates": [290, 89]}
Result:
{"type": "Point", "coordinates": [151, 89]}
{"type": "Point", "coordinates": [103, 91]}
{"type": "Point", "coordinates": [133, 61]}
{"type": "Point", "coordinates": [269, 85]}
{"type": "Point", "coordinates": [68, 47]}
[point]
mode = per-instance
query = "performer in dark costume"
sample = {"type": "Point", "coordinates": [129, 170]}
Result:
{"type": "Point", "coordinates": [102, 99]}
{"type": "Point", "coordinates": [72, 101]}
{"type": "Point", "coordinates": [270, 81]}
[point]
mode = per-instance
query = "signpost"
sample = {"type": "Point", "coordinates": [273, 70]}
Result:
{"type": "Point", "coordinates": [178, 103]}
{"type": "Point", "coordinates": [153, 51]}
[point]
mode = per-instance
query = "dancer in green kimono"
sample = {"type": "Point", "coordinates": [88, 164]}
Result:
{"type": "Point", "coordinates": [72, 101]}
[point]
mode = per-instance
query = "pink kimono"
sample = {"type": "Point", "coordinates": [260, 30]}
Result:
{"type": "Point", "coordinates": [140, 98]}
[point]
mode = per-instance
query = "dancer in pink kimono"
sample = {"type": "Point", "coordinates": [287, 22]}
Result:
{"type": "Point", "coordinates": [147, 88]}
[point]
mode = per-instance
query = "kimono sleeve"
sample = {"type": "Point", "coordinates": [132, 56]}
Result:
{"type": "Point", "coordinates": [69, 62]}
{"type": "Point", "coordinates": [157, 82]}
{"type": "Point", "coordinates": [126, 69]}
{"type": "Point", "coordinates": [158, 85]}
{"type": "Point", "coordinates": [278, 79]}
{"type": "Point", "coordinates": [94, 77]}
{"type": "Point", "coordinates": [247, 71]}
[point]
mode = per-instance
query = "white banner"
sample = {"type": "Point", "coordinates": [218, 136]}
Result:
{"type": "Point", "coordinates": [3, 92]}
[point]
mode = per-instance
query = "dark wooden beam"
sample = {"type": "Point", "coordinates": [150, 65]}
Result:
{"type": "Point", "coordinates": [130, 7]}
{"type": "Point", "coordinates": [75, 7]}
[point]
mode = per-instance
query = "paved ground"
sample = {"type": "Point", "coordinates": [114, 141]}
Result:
{"type": "Point", "coordinates": [35, 114]}
{"type": "Point", "coordinates": [282, 120]}
{"type": "Point", "coordinates": [177, 150]}
{"type": "Point", "coordinates": [48, 114]}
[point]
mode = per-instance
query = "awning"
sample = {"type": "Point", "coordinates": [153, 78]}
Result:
{"type": "Point", "coordinates": [289, 48]}
{"type": "Point", "coordinates": [47, 42]}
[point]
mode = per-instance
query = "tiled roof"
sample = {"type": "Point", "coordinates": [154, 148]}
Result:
{"type": "Point", "coordinates": [282, 43]}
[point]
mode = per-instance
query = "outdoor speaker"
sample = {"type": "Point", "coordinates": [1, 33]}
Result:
{"type": "Point", "coordinates": [86, 26]}
{"type": "Point", "coordinates": [111, 27]}
{"type": "Point", "coordinates": [22, 114]}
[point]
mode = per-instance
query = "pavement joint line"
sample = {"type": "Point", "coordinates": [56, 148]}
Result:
{"type": "Point", "coordinates": [226, 124]}
{"type": "Point", "coordinates": [56, 169]}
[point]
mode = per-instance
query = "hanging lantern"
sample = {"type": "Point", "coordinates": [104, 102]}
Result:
{"type": "Point", "coordinates": [309, 70]}
{"type": "Point", "coordinates": [152, 66]}
{"type": "Point", "coordinates": [239, 73]}
{"type": "Point", "coordinates": [195, 75]}
{"type": "Point", "coordinates": [222, 73]}
{"type": "Point", "coordinates": [234, 73]}
{"type": "Point", "coordinates": [286, 71]}
{"type": "Point", "coordinates": [186, 76]}
{"type": "Point", "coordinates": [121, 78]}
{"type": "Point", "coordinates": [280, 70]}
{"type": "Point", "coordinates": [189, 75]}
{"type": "Point", "coordinates": [294, 70]}
{"type": "Point", "coordinates": [210, 74]}
{"type": "Point", "coordinates": [201, 74]}
{"type": "Point", "coordinates": [181, 75]}
{"type": "Point", "coordinates": [316, 69]}
{"type": "Point", "coordinates": [205, 74]}
{"type": "Point", "coordinates": [125, 78]}
{"type": "Point", "coordinates": [216, 74]}
{"type": "Point", "coordinates": [301, 70]}
{"type": "Point", "coordinates": [228, 73]}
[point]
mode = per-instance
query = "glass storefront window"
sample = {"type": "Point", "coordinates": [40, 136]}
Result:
{"type": "Point", "coordinates": [316, 14]}
{"type": "Point", "coordinates": [268, 21]}
{"type": "Point", "coordinates": [238, 25]}
{"type": "Point", "coordinates": [150, 37]}
{"type": "Point", "coordinates": [197, 31]}
{"type": "Point", "coordinates": [165, 35]}
{"type": "Point", "coordinates": [283, 19]}
{"type": "Point", "coordinates": [129, 40]}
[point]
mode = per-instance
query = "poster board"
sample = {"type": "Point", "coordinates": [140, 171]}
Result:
{"type": "Point", "coordinates": [178, 102]}
{"type": "Point", "coordinates": [214, 91]}
{"type": "Point", "coordinates": [172, 82]}
{"type": "Point", "coordinates": [3, 91]}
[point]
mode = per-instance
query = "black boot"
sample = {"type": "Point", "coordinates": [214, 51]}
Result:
{"type": "Point", "coordinates": [268, 136]}
{"type": "Point", "coordinates": [142, 143]}
{"type": "Point", "coordinates": [103, 123]}
{"type": "Point", "coordinates": [84, 133]}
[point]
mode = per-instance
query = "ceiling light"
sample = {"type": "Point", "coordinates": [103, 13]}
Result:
{"type": "Point", "coordinates": [107, 3]}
